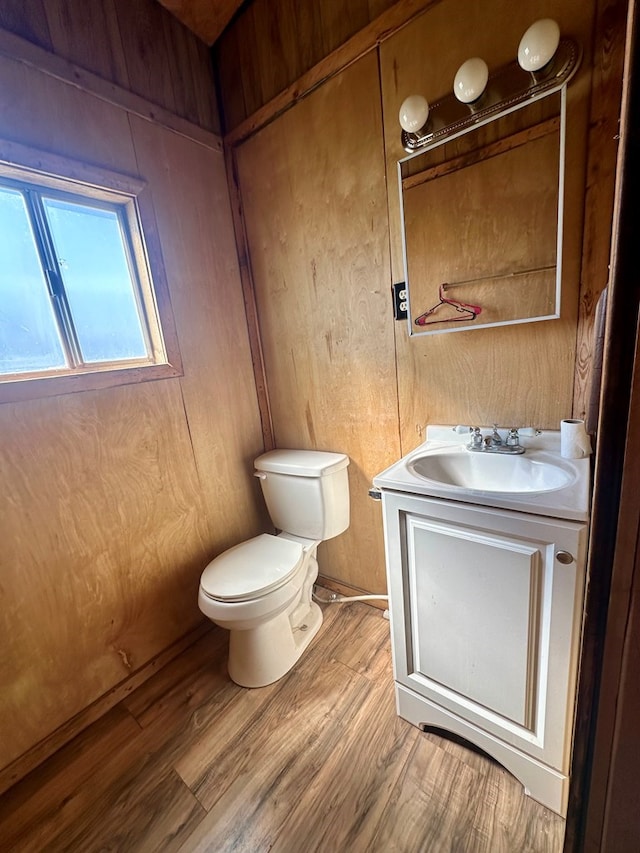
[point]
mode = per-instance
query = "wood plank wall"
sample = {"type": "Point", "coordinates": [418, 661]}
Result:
{"type": "Point", "coordinates": [521, 375]}
{"type": "Point", "coordinates": [318, 236]}
{"type": "Point", "coordinates": [137, 45]}
{"type": "Point", "coordinates": [113, 501]}
{"type": "Point", "coordinates": [514, 375]}
{"type": "Point", "coordinates": [272, 43]}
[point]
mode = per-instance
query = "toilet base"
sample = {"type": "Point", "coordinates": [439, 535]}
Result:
{"type": "Point", "coordinates": [261, 655]}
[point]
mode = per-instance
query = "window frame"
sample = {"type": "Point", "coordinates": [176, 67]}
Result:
{"type": "Point", "coordinates": [130, 196]}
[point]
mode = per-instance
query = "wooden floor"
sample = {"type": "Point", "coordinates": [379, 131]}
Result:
{"type": "Point", "coordinates": [317, 762]}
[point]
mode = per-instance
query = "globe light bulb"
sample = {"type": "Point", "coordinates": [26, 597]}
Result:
{"type": "Point", "coordinates": [414, 113]}
{"type": "Point", "coordinates": [539, 44]}
{"type": "Point", "coordinates": [471, 80]}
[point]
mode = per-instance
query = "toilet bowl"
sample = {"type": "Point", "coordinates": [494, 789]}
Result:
{"type": "Point", "coordinates": [260, 590]}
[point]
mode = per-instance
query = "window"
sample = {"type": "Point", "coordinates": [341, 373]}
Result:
{"type": "Point", "coordinates": [77, 306]}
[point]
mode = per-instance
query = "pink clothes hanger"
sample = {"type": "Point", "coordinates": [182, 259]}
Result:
{"type": "Point", "coordinates": [468, 312]}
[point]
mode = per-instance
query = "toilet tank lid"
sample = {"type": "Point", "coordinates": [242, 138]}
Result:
{"type": "Point", "coordinates": [301, 463]}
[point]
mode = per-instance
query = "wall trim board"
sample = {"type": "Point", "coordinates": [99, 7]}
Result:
{"type": "Point", "coordinates": [24, 764]}
{"type": "Point", "coordinates": [249, 296]}
{"type": "Point", "coordinates": [603, 132]}
{"type": "Point", "coordinates": [367, 39]}
{"type": "Point", "coordinates": [21, 50]}
{"type": "Point", "coordinates": [604, 789]}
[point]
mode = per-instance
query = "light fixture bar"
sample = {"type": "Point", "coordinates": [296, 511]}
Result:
{"type": "Point", "coordinates": [507, 89]}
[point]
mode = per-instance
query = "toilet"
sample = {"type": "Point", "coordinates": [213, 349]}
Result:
{"type": "Point", "coordinates": [260, 590]}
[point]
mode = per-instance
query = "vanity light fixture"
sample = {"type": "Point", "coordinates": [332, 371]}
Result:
{"type": "Point", "coordinates": [414, 113]}
{"type": "Point", "coordinates": [545, 63]}
{"type": "Point", "coordinates": [471, 80]}
{"type": "Point", "coordinates": [538, 45]}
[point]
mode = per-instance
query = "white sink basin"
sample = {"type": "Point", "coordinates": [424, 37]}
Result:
{"type": "Point", "coordinates": [540, 481]}
{"type": "Point", "coordinates": [459, 468]}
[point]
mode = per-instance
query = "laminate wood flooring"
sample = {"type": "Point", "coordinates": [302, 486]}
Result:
{"type": "Point", "coordinates": [318, 761]}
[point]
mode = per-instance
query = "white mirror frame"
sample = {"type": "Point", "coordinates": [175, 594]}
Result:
{"type": "Point", "coordinates": [559, 229]}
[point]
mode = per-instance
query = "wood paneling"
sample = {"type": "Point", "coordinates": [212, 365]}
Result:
{"type": "Point", "coordinates": [89, 558]}
{"type": "Point", "coordinates": [19, 49]}
{"type": "Point", "coordinates": [250, 307]}
{"type": "Point", "coordinates": [521, 375]}
{"type": "Point", "coordinates": [70, 25]}
{"type": "Point", "coordinates": [143, 41]}
{"type": "Point", "coordinates": [114, 500]}
{"type": "Point", "coordinates": [206, 18]}
{"type": "Point", "coordinates": [239, 90]}
{"type": "Point", "coordinates": [317, 761]}
{"type": "Point", "coordinates": [313, 190]}
{"type": "Point", "coordinates": [101, 134]}
{"type": "Point", "coordinates": [511, 375]}
{"type": "Point", "coordinates": [604, 129]}
{"type": "Point", "coordinates": [605, 780]}
{"type": "Point", "coordinates": [317, 235]}
{"type": "Point", "coordinates": [218, 388]}
{"type": "Point", "coordinates": [277, 41]}
{"type": "Point", "coordinates": [23, 765]}
{"type": "Point", "coordinates": [137, 45]}
{"type": "Point", "coordinates": [29, 22]}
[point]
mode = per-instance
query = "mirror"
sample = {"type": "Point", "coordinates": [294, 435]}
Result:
{"type": "Point", "coordinates": [482, 222]}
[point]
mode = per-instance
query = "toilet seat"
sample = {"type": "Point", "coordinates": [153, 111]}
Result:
{"type": "Point", "coordinates": [252, 568]}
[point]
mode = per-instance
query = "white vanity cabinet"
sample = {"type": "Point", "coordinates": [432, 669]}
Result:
{"type": "Point", "coordinates": [486, 614]}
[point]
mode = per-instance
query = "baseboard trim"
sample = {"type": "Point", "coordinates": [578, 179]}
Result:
{"type": "Point", "coordinates": [45, 748]}
{"type": "Point", "coordinates": [345, 589]}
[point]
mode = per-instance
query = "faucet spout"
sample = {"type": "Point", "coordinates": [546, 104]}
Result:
{"type": "Point", "coordinates": [494, 443]}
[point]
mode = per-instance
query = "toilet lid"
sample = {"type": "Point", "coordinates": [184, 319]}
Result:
{"type": "Point", "coordinates": [251, 568]}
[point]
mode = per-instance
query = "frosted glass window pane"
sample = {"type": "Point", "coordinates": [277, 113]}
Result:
{"type": "Point", "coordinates": [29, 337]}
{"type": "Point", "coordinates": [97, 280]}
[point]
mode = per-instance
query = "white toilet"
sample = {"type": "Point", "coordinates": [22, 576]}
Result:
{"type": "Point", "coordinates": [261, 589]}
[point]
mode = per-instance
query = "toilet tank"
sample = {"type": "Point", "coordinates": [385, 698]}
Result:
{"type": "Point", "coordinates": [306, 491]}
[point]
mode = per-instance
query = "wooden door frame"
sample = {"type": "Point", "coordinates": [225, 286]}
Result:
{"type": "Point", "coordinates": [601, 816]}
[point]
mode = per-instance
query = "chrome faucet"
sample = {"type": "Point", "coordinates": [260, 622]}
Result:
{"type": "Point", "coordinates": [494, 443]}
{"type": "Point", "coordinates": [494, 440]}
{"type": "Point", "coordinates": [476, 439]}
{"type": "Point", "coordinates": [513, 439]}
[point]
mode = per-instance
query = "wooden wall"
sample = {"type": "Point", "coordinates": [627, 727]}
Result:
{"type": "Point", "coordinates": [137, 45]}
{"type": "Point", "coordinates": [274, 42]}
{"type": "Point", "coordinates": [317, 231]}
{"type": "Point", "coordinates": [113, 501]}
{"type": "Point", "coordinates": [305, 191]}
{"type": "Point", "coordinates": [514, 375]}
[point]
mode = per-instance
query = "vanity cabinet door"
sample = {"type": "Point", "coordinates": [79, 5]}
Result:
{"type": "Point", "coordinates": [486, 609]}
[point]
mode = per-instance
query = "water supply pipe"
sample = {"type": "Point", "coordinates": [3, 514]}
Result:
{"type": "Point", "coordinates": [329, 597]}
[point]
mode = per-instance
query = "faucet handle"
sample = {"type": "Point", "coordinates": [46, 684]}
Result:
{"type": "Point", "coordinates": [513, 439]}
{"type": "Point", "coordinates": [476, 437]}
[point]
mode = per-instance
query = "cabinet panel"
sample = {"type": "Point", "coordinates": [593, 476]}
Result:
{"type": "Point", "coordinates": [486, 629]}
{"type": "Point", "coordinates": [474, 624]}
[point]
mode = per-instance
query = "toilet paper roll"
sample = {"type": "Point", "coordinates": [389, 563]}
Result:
{"type": "Point", "coordinates": [574, 439]}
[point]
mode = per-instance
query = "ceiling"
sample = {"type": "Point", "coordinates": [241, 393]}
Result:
{"type": "Point", "coordinates": [206, 18]}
